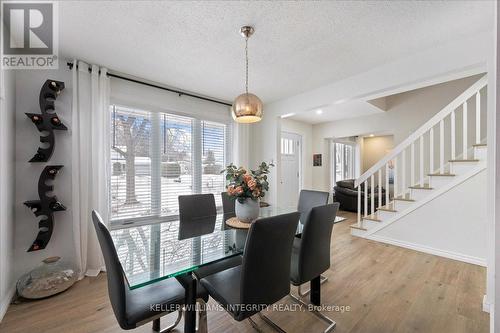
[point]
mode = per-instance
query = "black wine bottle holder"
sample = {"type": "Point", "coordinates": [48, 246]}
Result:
{"type": "Point", "coordinates": [47, 121]}
{"type": "Point", "coordinates": [45, 207]}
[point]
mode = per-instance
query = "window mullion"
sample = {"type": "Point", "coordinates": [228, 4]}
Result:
{"type": "Point", "coordinates": [228, 149]}
{"type": "Point", "coordinates": [155, 164]}
{"type": "Point", "coordinates": [196, 138]}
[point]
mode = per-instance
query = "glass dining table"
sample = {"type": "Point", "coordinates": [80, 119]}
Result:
{"type": "Point", "coordinates": [152, 252]}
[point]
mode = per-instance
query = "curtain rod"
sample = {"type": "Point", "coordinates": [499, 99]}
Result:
{"type": "Point", "coordinates": [181, 93]}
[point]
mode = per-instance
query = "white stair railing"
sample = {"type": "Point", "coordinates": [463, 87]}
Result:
{"type": "Point", "coordinates": [397, 159]}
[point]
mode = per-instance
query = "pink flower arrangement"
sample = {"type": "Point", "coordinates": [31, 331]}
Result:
{"type": "Point", "coordinates": [245, 184]}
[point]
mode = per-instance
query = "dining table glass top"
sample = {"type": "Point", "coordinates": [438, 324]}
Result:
{"type": "Point", "coordinates": [152, 252]}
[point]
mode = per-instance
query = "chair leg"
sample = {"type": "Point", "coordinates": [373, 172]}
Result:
{"type": "Point", "coordinates": [202, 317]}
{"type": "Point", "coordinates": [323, 279]}
{"type": "Point", "coordinates": [156, 324]}
{"type": "Point", "coordinates": [254, 325]}
{"type": "Point", "coordinates": [271, 323]}
{"type": "Point", "coordinates": [328, 320]}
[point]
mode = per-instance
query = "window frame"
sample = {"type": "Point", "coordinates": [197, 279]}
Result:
{"type": "Point", "coordinates": [344, 166]}
{"type": "Point", "coordinates": [156, 145]}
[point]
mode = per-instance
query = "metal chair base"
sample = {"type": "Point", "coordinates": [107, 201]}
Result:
{"type": "Point", "coordinates": [331, 323]}
{"type": "Point", "coordinates": [323, 279]}
{"type": "Point", "coordinates": [202, 326]}
{"type": "Point", "coordinates": [202, 317]}
{"type": "Point", "coordinates": [268, 321]}
{"type": "Point", "coordinates": [156, 324]}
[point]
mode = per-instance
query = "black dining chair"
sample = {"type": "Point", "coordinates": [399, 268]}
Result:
{"type": "Point", "coordinates": [197, 216]}
{"type": "Point", "coordinates": [308, 199]}
{"type": "Point", "coordinates": [263, 278]}
{"type": "Point", "coordinates": [134, 308]}
{"type": "Point", "coordinates": [311, 252]}
{"type": "Point", "coordinates": [228, 208]}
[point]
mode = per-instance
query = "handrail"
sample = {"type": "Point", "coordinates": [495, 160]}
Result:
{"type": "Point", "coordinates": [482, 82]}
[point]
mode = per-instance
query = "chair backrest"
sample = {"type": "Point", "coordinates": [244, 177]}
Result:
{"type": "Point", "coordinates": [309, 199]}
{"type": "Point", "coordinates": [197, 215]}
{"type": "Point", "coordinates": [116, 285]}
{"type": "Point", "coordinates": [228, 208]}
{"type": "Point", "coordinates": [314, 253]}
{"type": "Point", "coordinates": [228, 203]}
{"type": "Point", "coordinates": [265, 271]}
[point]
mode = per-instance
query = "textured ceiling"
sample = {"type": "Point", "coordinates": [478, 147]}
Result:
{"type": "Point", "coordinates": [297, 46]}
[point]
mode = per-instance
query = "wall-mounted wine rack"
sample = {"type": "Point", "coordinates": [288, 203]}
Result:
{"type": "Point", "coordinates": [47, 121]}
{"type": "Point", "coordinates": [45, 207]}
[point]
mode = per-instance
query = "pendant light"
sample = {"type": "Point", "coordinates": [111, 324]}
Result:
{"type": "Point", "coordinates": [247, 108]}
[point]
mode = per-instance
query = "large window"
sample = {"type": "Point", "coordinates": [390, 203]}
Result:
{"type": "Point", "coordinates": [343, 161]}
{"type": "Point", "coordinates": [155, 157]}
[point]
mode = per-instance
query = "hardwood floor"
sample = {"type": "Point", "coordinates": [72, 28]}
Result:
{"type": "Point", "coordinates": [387, 289]}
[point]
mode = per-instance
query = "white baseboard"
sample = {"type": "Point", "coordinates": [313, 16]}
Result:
{"type": "Point", "coordinates": [430, 250]}
{"type": "Point", "coordinates": [5, 302]}
{"type": "Point", "coordinates": [486, 304]}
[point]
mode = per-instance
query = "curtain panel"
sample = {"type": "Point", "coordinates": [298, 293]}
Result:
{"type": "Point", "coordinates": [90, 162]}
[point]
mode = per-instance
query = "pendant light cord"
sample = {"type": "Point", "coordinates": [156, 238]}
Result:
{"type": "Point", "coordinates": [246, 59]}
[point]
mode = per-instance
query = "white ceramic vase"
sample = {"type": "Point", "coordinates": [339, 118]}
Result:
{"type": "Point", "coordinates": [248, 211]}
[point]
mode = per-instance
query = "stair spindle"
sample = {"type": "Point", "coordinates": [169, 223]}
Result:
{"type": "Point", "coordinates": [464, 134]}
{"type": "Point", "coordinates": [453, 130]}
{"type": "Point", "coordinates": [403, 172]}
{"type": "Point", "coordinates": [396, 177]}
{"type": "Point", "coordinates": [441, 146]}
{"type": "Point", "coordinates": [372, 201]}
{"type": "Point", "coordinates": [379, 188]}
{"type": "Point", "coordinates": [387, 184]}
{"type": "Point", "coordinates": [366, 197]}
{"type": "Point", "coordinates": [412, 164]}
{"type": "Point", "coordinates": [421, 160]}
{"type": "Point", "coordinates": [431, 150]}
{"type": "Point", "coordinates": [478, 118]}
{"type": "Point", "coordinates": [359, 205]}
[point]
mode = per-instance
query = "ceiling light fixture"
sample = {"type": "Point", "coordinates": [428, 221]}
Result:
{"type": "Point", "coordinates": [319, 111]}
{"type": "Point", "coordinates": [288, 115]}
{"type": "Point", "coordinates": [247, 107]}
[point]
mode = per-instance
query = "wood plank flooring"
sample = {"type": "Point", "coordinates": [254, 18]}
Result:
{"type": "Point", "coordinates": [386, 289]}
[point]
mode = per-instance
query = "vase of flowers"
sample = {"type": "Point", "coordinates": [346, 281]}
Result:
{"type": "Point", "coordinates": [248, 186]}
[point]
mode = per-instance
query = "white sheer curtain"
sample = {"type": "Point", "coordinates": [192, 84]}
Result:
{"type": "Point", "coordinates": [90, 163]}
{"type": "Point", "coordinates": [241, 145]}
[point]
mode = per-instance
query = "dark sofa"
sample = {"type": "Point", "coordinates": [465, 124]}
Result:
{"type": "Point", "coordinates": [347, 196]}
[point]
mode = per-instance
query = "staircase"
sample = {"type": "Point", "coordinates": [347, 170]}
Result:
{"type": "Point", "coordinates": [444, 153]}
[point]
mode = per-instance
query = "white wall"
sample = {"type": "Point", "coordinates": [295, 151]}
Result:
{"type": "Point", "coordinates": [7, 189]}
{"type": "Point", "coordinates": [459, 233]}
{"type": "Point", "coordinates": [28, 84]}
{"type": "Point", "coordinates": [305, 131]}
{"type": "Point", "coordinates": [406, 113]}
{"type": "Point", "coordinates": [375, 148]}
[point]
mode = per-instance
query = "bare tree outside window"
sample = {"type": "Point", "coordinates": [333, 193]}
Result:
{"type": "Point", "coordinates": [131, 141]}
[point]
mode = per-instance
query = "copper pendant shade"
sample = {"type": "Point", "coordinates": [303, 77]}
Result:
{"type": "Point", "coordinates": [247, 107]}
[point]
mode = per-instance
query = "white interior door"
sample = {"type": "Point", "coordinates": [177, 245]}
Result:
{"type": "Point", "coordinates": [290, 182]}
